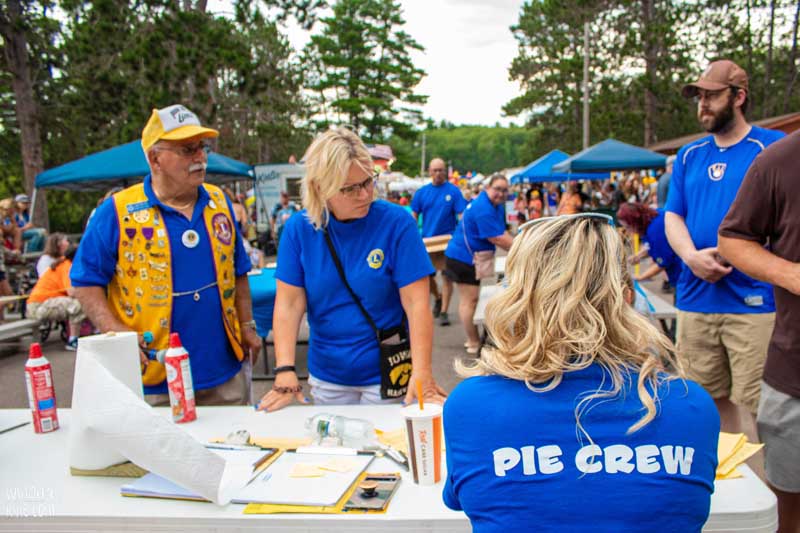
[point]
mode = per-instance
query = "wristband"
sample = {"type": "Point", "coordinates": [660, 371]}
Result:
{"type": "Point", "coordinates": [249, 324]}
{"type": "Point", "coordinates": [284, 368]}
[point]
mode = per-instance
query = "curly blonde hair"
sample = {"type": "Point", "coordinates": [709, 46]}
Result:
{"type": "Point", "coordinates": [565, 309]}
{"type": "Point", "coordinates": [328, 161]}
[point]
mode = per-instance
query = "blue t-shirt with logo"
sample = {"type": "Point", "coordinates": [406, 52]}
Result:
{"type": "Point", "coordinates": [481, 221]}
{"type": "Point", "coordinates": [705, 180]}
{"type": "Point", "coordinates": [199, 323]}
{"type": "Point", "coordinates": [660, 250]}
{"type": "Point", "coordinates": [439, 206]}
{"type": "Point", "coordinates": [515, 461]}
{"type": "Point", "coordinates": [380, 253]}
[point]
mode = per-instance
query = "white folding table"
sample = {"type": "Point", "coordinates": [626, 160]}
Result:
{"type": "Point", "coordinates": [38, 493]}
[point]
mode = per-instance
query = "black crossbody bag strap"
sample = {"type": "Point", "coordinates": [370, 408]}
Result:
{"type": "Point", "coordinates": [355, 297]}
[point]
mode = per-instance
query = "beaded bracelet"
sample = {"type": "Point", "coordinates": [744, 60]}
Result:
{"type": "Point", "coordinates": [284, 390]}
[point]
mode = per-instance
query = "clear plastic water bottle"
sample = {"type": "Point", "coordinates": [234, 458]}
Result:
{"type": "Point", "coordinates": [350, 432]}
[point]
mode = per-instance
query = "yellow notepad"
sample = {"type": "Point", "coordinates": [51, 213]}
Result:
{"type": "Point", "coordinates": [733, 450]}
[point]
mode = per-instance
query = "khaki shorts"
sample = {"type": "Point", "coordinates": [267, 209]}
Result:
{"type": "Point", "coordinates": [725, 353]}
{"type": "Point", "coordinates": [235, 391]}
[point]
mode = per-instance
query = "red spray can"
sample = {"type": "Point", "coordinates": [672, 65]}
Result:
{"type": "Point", "coordinates": [41, 391]}
{"type": "Point", "coordinates": [179, 381]}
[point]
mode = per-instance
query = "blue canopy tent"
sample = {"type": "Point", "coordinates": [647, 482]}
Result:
{"type": "Point", "coordinates": [541, 171]}
{"type": "Point", "coordinates": [126, 164]}
{"type": "Point", "coordinates": [611, 155]}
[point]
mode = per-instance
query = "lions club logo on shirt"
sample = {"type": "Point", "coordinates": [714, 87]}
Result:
{"type": "Point", "coordinates": [375, 258]}
{"type": "Point", "coordinates": [448, 198]}
{"type": "Point", "coordinates": [716, 171]}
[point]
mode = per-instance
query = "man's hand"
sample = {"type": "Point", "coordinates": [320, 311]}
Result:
{"type": "Point", "coordinates": [706, 266]}
{"type": "Point", "coordinates": [251, 343]}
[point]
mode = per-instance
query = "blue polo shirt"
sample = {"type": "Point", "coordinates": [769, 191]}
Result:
{"type": "Point", "coordinates": [439, 206]}
{"type": "Point", "coordinates": [380, 253]}
{"type": "Point", "coordinates": [705, 180]}
{"type": "Point", "coordinates": [660, 250]}
{"type": "Point", "coordinates": [199, 324]}
{"type": "Point", "coordinates": [481, 220]}
{"type": "Point", "coordinates": [517, 462]}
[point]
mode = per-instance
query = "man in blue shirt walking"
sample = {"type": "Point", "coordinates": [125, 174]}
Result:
{"type": "Point", "coordinates": [725, 317]}
{"type": "Point", "coordinates": [440, 202]}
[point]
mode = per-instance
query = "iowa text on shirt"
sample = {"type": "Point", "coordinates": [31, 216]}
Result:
{"type": "Point", "coordinates": [591, 459]}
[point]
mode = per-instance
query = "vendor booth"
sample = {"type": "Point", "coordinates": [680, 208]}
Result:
{"type": "Point", "coordinates": [541, 171]}
{"type": "Point", "coordinates": [611, 155]}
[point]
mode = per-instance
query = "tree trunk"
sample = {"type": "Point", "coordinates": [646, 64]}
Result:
{"type": "Point", "coordinates": [767, 107]}
{"type": "Point", "coordinates": [791, 75]}
{"type": "Point", "coordinates": [650, 37]}
{"type": "Point", "coordinates": [12, 28]}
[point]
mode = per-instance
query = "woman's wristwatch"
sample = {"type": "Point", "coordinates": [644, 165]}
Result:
{"type": "Point", "coordinates": [284, 368]}
{"type": "Point", "coordinates": [248, 324]}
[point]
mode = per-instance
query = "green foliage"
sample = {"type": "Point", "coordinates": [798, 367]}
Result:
{"type": "Point", "coordinates": [639, 47]}
{"type": "Point", "coordinates": [483, 149]}
{"type": "Point", "coordinates": [361, 70]}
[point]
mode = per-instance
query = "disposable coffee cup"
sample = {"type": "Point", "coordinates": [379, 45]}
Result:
{"type": "Point", "coordinates": [424, 431]}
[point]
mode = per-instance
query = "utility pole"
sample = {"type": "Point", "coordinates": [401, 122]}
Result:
{"type": "Point", "coordinates": [422, 159]}
{"type": "Point", "coordinates": [585, 85]}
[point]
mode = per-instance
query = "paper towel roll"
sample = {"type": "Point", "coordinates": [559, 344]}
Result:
{"type": "Point", "coordinates": [111, 423]}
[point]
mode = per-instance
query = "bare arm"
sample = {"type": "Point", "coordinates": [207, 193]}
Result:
{"type": "Point", "coordinates": [94, 303]}
{"type": "Point", "coordinates": [244, 310]}
{"type": "Point", "coordinates": [504, 241]}
{"type": "Point", "coordinates": [290, 305]}
{"type": "Point", "coordinates": [415, 215]}
{"type": "Point", "coordinates": [649, 273]}
{"type": "Point", "coordinates": [754, 260]}
{"type": "Point", "coordinates": [414, 298]}
{"type": "Point", "coordinates": [703, 263]}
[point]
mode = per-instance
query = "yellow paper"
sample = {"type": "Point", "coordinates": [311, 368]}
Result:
{"type": "Point", "coordinates": [338, 464]}
{"type": "Point", "coordinates": [729, 443]}
{"type": "Point", "coordinates": [306, 470]}
{"type": "Point", "coordinates": [396, 439]}
{"type": "Point", "coordinates": [740, 456]}
{"type": "Point", "coordinates": [283, 443]}
{"type": "Point", "coordinates": [733, 474]}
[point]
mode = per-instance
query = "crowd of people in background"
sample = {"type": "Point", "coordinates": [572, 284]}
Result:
{"type": "Point", "coordinates": [357, 267]}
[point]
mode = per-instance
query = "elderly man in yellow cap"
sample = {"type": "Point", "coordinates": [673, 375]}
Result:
{"type": "Point", "coordinates": [165, 256]}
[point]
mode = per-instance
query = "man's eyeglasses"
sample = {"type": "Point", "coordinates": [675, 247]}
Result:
{"type": "Point", "coordinates": [597, 216]}
{"type": "Point", "coordinates": [186, 150]}
{"type": "Point", "coordinates": [353, 191]}
{"type": "Point", "coordinates": [711, 96]}
{"type": "Point", "coordinates": [502, 190]}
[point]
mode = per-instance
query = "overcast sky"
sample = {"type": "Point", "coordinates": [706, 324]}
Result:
{"type": "Point", "coordinates": [468, 49]}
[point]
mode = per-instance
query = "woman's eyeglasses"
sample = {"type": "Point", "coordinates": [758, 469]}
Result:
{"type": "Point", "coordinates": [353, 191]}
{"type": "Point", "coordinates": [597, 216]}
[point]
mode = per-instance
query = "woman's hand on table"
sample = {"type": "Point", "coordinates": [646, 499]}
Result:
{"type": "Point", "coordinates": [431, 391]}
{"type": "Point", "coordinates": [274, 399]}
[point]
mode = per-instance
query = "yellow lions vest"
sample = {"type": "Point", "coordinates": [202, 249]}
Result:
{"type": "Point", "coordinates": [140, 294]}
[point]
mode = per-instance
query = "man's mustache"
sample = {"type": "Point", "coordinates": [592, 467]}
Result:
{"type": "Point", "coordinates": [198, 166]}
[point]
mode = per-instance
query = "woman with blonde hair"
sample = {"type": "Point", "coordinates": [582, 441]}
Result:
{"type": "Point", "coordinates": [578, 418]}
{"type": "Point", "coordinates": [358, 267]}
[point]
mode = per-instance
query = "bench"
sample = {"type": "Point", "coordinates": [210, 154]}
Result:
{"type": "Point", "coordinates": [18, 328]}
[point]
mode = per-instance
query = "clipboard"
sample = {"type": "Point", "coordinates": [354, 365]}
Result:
{"type": "Point", "coordinates": [275, 486]}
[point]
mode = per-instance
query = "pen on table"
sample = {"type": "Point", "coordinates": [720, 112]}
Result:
{"type": "Point", "coordinates": [12, 428]}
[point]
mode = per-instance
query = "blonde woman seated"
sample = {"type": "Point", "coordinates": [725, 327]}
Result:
{"type": "Point", "coordinates": [574, 421]}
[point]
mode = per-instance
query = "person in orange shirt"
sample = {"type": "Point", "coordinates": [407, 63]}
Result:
{"type": "Point", "coordinates": [570, 201]}
{"type": "Point", "coordinates": [52, 298]}
{"type": "Point", "coordinates": [535, 205]}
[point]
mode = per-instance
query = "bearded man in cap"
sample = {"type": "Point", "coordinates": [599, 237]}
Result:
{"type": "Point", "coordinates": [165, 256]}
{"type": "Point", "coordinates": [725, 317]}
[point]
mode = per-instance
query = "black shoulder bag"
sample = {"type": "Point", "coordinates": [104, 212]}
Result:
{"type": "Point", "coordinates": [394, 343]}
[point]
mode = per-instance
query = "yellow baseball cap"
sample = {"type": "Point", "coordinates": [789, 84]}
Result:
{"type": "Point", "coordinates": [173, 123]}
